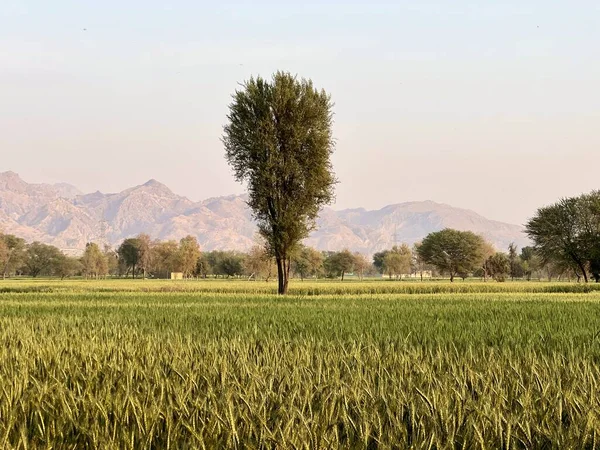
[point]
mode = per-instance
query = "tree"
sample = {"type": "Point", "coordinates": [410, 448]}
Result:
{"type": "Point", "coordinates": [339, 263]}
{"type": "Point", "coordinates": [378, 260]}
{"type": "Point", "coordinates": [189, 252]}
{"type": "Point", "coordinates": [4, 252]}
{"type": "Point", "coordinates": [487, 252]}
{"type": "Point", "coordinates": [499, 266]}
{"type": "Point", "coordinates": [516, 269]}
{"type": "Point", "coordinates": [93, 261]}
{"type": "Point", "coordinates": [397, 261]}
{"type": "Point", "coordinates": [568, 234]}
{"type": "Point", "coordinates": [531, 262]}
{"type": "Point", "coordinates": [67, 266]}
{"type": "Point", "coordinates": [41, 259]}
{"type": "Point", "coordinates": [14, 256]}
{"type": "Point", "coordinates": [279, 141]}
{"type": "Point", "coordinates": [361, 265]}
{"type": "Point", "coordinates": [165, 258]}
{"type": "Point", "coordinates": [453, 252]}
{"type": "Point", "coordinates": [417, 262]}
{"type": "Point", "coordinates": [203, 268]}
{"type": "Point", "coordinates": [259, 263]}
{"type": "Point", "coordinates": [129, 254]}
{"type": "Point", "coordinates": [307, 262]}
{"type": "Point", "coordinates": [231, 265]}
{"type": "Point", "coordinates": [144, 252]}
{"type": "Point", "coordinates": [112, 260]}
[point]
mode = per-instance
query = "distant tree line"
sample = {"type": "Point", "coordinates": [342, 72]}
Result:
{"type": "Point", "coordinates": [565, 235]}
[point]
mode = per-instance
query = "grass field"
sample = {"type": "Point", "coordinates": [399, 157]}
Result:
{"type": "Point", "coordinates": [227, 364]}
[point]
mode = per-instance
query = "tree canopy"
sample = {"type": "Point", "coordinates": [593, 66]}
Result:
{"type": "Point", "coordinates": [453, 252]}
{"type": "Point", "coordinates": [568, 233]}
{"type": "Point", "coordinates": [279, 142]}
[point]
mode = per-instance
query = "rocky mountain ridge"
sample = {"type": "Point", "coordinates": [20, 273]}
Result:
{"type": "Point", "coordinates": [61, 215]}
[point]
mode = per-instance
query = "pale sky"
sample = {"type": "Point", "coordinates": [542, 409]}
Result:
{"type": "Point", "coordinates": [491, 106]}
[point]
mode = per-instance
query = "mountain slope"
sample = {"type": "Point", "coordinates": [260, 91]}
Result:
{"type": "Point", "coordinates": [62, 216]}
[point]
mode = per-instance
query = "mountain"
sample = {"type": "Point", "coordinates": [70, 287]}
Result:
{"type": "Point", "coordinates": [61, 215]}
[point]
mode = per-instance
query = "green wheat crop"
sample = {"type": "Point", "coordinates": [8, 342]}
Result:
{"type": "Point", "coordinates": [217, 364]}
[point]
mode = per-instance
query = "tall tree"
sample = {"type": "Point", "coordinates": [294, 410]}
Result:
{"type": "Point", "coordinates": [531, 262]}
{"type": "Point", "coordinates": [361, 265]}
{"type": "Point", "coordinates": [144, 252]}
{"type": "Point", "coordinates": [487, 252]}
{"type": "Point", "coordinates": [453, 252]}
{"type": "Point", "coordinates": [189, 252]}
{"type": "Point", "coordinates": [513, 257]}
{"type": "Point", "coordinates": [129, 254]}
{"type": "Point", "coordinates": [93, 261]}
{"type": "Point", "coordinates": [112, 260]}
{"type": "Point", "coordinates": [279, 141]}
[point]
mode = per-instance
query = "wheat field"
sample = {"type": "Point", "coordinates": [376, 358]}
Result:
{"type": "Point", "coordinates": [360, 365]}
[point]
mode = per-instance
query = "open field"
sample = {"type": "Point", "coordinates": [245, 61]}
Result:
{"type": "Point", "coordinates": [226, 364]}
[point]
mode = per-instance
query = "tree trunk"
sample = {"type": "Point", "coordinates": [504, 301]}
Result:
{"type": "Point", "coordinates": [451, 277]}
{"type": "Point", "coordinates": [583, 271]}
{"type": "Point", "coordinates": [282, 276]}
{"type": "Point", "coordinates": [342, 275]}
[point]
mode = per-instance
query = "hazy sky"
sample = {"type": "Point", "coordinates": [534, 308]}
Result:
{"type": "Point", "coordinates": [493, 106]}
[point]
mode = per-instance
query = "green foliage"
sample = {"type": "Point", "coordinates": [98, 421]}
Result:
{"type": "Point", "coordinates": [41, 259]}
{"type": "Point", "coordinates": [216, 364]}
{"type": "Point", "coordinates": [94, 263]}
{"type": "Point", "coordinates": [188, 255]}
{"type": "Point", "coordinates": [307, 262]}
{"type": "Point", "coordinates": [397, 261]}
{"type": "Point", "coordinates": [228, 264]}
{"type": "Point", "coordinates": [568, 234]}
{"type": "Point", "coordinates": [499, 266]}
{"type": "Point", "coordinates": [130, 253]}
{"type": "Point", "coordinates": [279, 141]}
{"type": "Point", "coordinates": [337, 264]}
{"type": "Point", "coordinates": [12, 256]}
{"type": "Point", "coordinates": [453, 252]}
{"type": "Point", "coordinates": [67, 266]}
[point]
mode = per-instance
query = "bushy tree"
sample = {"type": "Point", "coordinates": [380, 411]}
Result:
{"type": "Point", "coordinates": [337, 264]}
{"type": "Point", "coordinates": [307, 262]}
{"type": "Point", "coordinates": [41, 259]}
{"type": "Point", "coordinates": [279, 141]}
{"type": "Point", "coordinates": [453, 252]}
{"type": "Point", "coordinates": [165, 258]}
{"type": "Point", "coordinates": [499, 266]}
{"type": "Point", "coordinates": [567, 234]}
{"type": "Point", "coordinates": [397, 261]}
{"type": "Point", "coordinates": [67, 266]}
{"type": "Point", "coordinates": [14, 254]}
